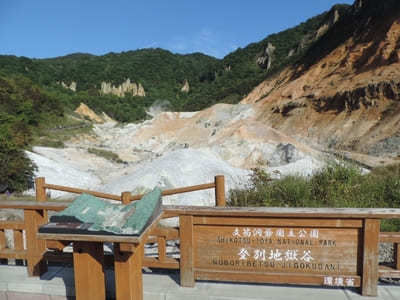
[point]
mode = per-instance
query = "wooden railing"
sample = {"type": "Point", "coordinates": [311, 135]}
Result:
{"type": "Point", "coordinates": [17, 252]}
{"type": "Point", "coordinates": [37, 252]}
{"type": "Point", "coordinates": [394, 270]}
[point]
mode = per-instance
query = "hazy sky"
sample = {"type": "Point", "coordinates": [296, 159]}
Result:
{"type": "Point", "coordinates": [49, 28]}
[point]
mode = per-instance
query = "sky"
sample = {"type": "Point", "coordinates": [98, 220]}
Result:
{"type": "Point", "coordinates": [51, 28]}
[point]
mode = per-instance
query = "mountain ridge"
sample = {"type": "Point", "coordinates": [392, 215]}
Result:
{"type": "Point", "coordinates": [162, 73]}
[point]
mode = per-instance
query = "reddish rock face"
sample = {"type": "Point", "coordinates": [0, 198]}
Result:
{"type": "Point", "coordinates": [346, 91]}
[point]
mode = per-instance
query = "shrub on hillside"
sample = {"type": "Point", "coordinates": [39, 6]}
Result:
{"type": "Point", "coordinates": [25, 109]}
{"type": "Point", "coordinates": [336, 185]}
{"type": "Point", "coordinates": [17, 170]}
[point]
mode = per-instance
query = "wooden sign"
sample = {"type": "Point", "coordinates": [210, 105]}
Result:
{"type": "Point", "coordinates": [332, 253]}
{"type": "Point", "coordinates": [277, 249]}
{"type": "Point", "coordinates": [307, 246]}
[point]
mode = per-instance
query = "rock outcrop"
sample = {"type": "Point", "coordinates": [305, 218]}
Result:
{"type": "Point", "coordinates": [333, 17]}
{"type": "Point", "coordinates": [84, 111]}
{"type": "Point", "coordinates": [71, 86]}
{"type": "Point", "coordinates": [265, 60]}
{"type": "Point", "coordinates": [185, 88]}
{"type": "Point", "coordinates": [132, 88]}
{"type": "Point", "coordinates": [366, 96]}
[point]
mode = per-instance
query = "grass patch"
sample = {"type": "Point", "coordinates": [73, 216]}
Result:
{"type": "Point", "coordinates": [336, 185]}
{"type": "Point", "coordinates": [55, 135]}
{"type": "Point", "coordinates": [48, 142]}
{"type": "Point", "coordinates": [109, 155]}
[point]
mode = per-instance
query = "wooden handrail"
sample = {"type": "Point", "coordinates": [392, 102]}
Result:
{"type": "Point", "coordinates": [30, 205]}
{"type": "Point", "coordinates": [218, 185]}
{"type": "Point", "coordinates": [180, 190]}
{"type": "Point", "coordinates": [81, 191]}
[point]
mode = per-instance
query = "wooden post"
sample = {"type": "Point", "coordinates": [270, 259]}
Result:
{"type": "Point", "coordinates": [161, 242]}
{"type": "Point", "coordinates": [3, 244]}
{"type": "Point", "coordinates": [220, 190]}
{"type": "Point", "coordinates": [35, 247]}
{"type": "Point", "coordinates": [370, 273]}
{"type": "Point", "coordinates": [41, 192]}
{"type": "Point", "coordinates": [397, 255]}
{"type": "Point", "coordinates": [40, 189]}
{"type": "Point", "coordinates": [18, 245]}
{"type": "Point", "coordinates": [88, 271]}
{"type": "Point", "coordinates": [128, 273]}
{"type": "Point", "coordinates": [186, 248]}
{"type": "Point", "coordinates": [126, 197]}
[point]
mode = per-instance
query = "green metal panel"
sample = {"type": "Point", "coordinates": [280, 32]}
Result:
{"type": "Point", "coordinates": [102, 215]}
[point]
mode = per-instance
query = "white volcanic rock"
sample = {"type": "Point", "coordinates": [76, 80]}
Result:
{"type": "Point", "coordinates": [304, 167]}
{"type": "Point", "coordinates": [176, 149]}
{"type": "Point", "coordinates": [62, 173]}
{"type": "Point", "coordinates": [179, 168]}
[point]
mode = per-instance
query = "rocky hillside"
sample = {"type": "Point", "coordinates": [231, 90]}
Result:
{"type": "Point", "coordinates": [331, 83]}
{"type": "Point", "coordinates": [344, 94]}
{"type": "Point", "coordinates": [189, 82]}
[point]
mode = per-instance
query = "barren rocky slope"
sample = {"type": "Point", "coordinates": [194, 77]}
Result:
{"type": "Point", "coordinates": [345, 94]}
{"type": "Point", "coordinates": [177, 149]}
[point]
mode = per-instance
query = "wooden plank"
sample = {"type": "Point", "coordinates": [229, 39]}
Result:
{"type": "Point", "coordinates": [35, 247]}
{"type": "Point", "coordinates": [324, 251]}
{"type": "Point", "coordinates": [161, 245]}
{"type": "Point", "coordinates": [170, 214]}
{"type": "Point", "coordinates": [389, 237]}
{"type": "Point", "coordinates": [18, 240]}
{"type": "Point", "coordinates": [397, 255]}
{"type": "Point", "coordinates": [186, 249]}
{"type": "Point", "coordinates": [370, 273]}
{"type": "Point", "coordinates": [32, 205]}
{"type": "Point", "coordinates": [18, 245]}
{"type": "Point", "coordinates": [181, 190]}
{"type": "Point", "coordinates": [65, 257]}
{"type": "Point", "coordinates": [82, 191]}
{"type": "Point", "coordinates": [126, 247]}
{"type": "Point", "coordinates": [3, 245]}
{"type": "Point", "coordinates": [167, 263]}
{"type": "Point", "coordinates": [3, 242]}
{"type": "Point", "coordinates": [283, 278]}
{"type": "Point", "coordinates": [12, 253]}
{"type": "Point", "coordinates": [132, 198]}
{"type": "Point", "coordinates": [89, 238]}
{"type": "Point", "coordinates": [285, 212]}
{"type": "Point", "coordinates": [88, 271]}
{"type": "Point", "coordinates": [57, 245]}
{"type": "Point", "coordinates": [12, 225]}
{"type": "Point", "coordinates": [128, 273]}
{"type": "Point", "coordinates": [169, 233]}
{"type": "Point", "coordinates": [267, 221]}
{"type": "Point", "coordinates": [220, 191]}
{"type": "Point", "coordinates": [56, 256]}
{"type": "Point", "coordinates": [388, 272]}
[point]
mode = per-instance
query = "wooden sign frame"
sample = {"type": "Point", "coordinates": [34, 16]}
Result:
{"type": "Point", "coordinates": [208, 235]}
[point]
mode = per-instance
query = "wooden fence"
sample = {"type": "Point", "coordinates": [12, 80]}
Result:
{"type": "Point", "coordinates": [37, 252]}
